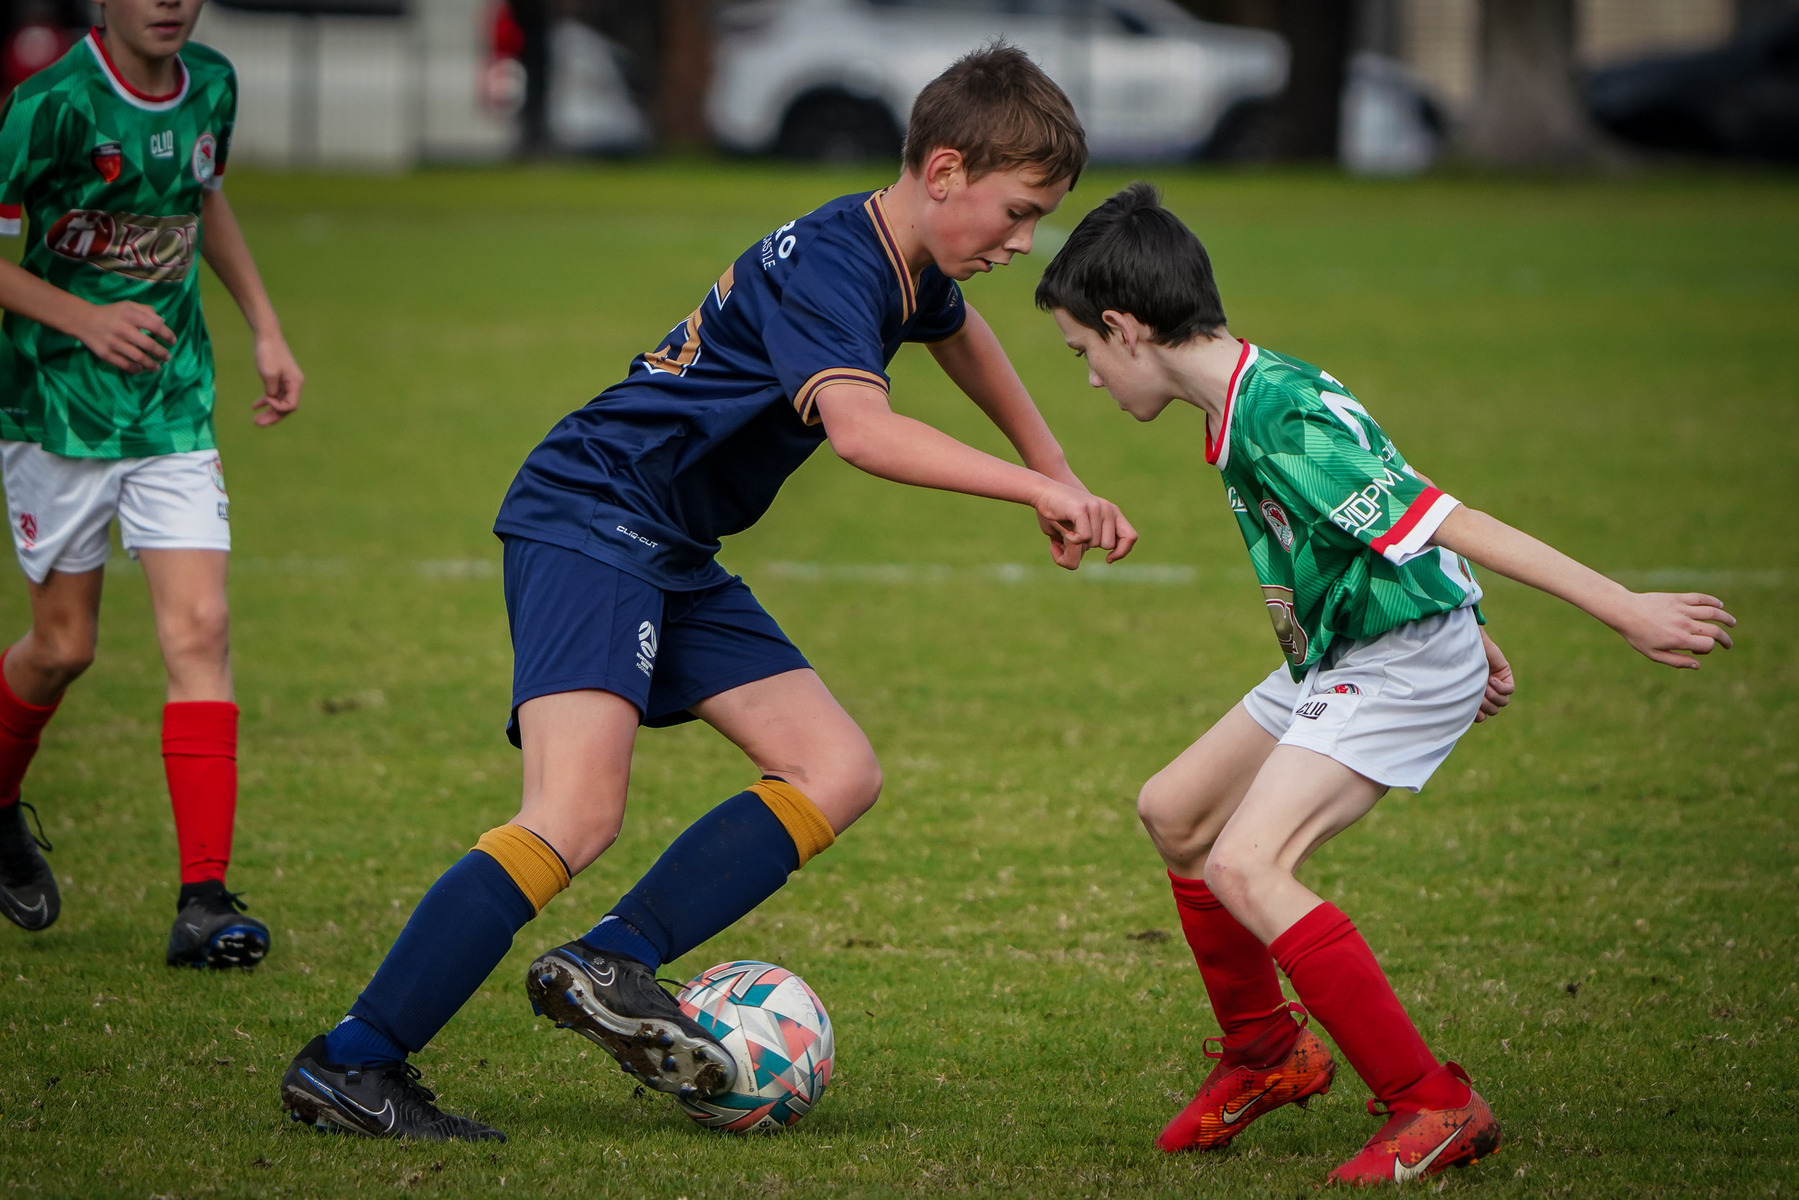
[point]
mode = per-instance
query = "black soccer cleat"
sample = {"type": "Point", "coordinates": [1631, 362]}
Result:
{"type": "Point", "coordinates": [212, 931]}
{"type": "Point", "coordinates": [616, 1003]}
{"type": "Point", "coordinates": [379, 1102]}
{"type": "Point", "coordinates": [28, 894]}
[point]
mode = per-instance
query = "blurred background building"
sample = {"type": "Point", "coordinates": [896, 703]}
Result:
{"type": "Point", "coordinates": [1383, 86]}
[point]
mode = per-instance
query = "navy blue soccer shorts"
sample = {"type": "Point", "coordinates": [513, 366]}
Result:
{"type": "Point", "coordinates": [579, 623]}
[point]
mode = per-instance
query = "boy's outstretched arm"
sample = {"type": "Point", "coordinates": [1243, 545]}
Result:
{"type": "Point", "coordinates": [866, 433]}
{"type": "Point", "coordinates": [227, 253]}
{"type": "Point", "coordinates": [975, 361]}
{"type": "Point", "coordinates": [1668, 628]}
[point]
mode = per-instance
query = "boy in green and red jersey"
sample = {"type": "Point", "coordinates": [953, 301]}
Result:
{"type": "Point", "coordinates": [114, 155]}
{"type": "Point", "coordinates": [1364, 569]}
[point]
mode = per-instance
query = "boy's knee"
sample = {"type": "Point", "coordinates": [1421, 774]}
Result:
{"type": "Point", "coordinates": [1174, 820]}
{"type": "Point", "coordinates": [850, 786]}
{"type": "Point", "coordinates": [1235, 871]}
{"type": "Point", "coordinates": [202, 629]}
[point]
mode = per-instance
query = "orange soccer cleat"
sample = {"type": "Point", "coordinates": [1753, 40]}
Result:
{"type": "Point", "coordinates": [1415, 1145]}
{"type": "Point", "coordinates": [1233, 1095]}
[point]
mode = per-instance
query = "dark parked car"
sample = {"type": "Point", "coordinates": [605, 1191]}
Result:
{"type": "Point", "coordinates": [1740, 100]}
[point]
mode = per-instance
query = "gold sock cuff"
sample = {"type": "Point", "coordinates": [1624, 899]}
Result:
{"type": "Point", "coordinates": [798, 815]}
{"type": "Point", "coordinates": [533, 865]}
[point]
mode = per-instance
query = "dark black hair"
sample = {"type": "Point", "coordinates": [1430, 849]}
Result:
{"type": "Point", "coordinates": [1131, 255]}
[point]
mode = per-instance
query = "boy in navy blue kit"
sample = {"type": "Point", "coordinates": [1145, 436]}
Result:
{"type": "Point", "coordinates": [621, 615]}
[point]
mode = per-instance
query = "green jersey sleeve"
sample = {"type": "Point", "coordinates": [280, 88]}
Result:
{"type": "Point", "coordinates": [17, 118]}
{"type": "Point", "coordinates": [1332, 462]}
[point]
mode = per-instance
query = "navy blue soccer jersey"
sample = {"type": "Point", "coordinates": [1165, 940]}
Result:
{"type": "Point", "coordinates": [694, 443]}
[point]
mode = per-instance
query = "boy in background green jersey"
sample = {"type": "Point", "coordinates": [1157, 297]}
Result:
{"type": "Point", "coordinates": [1364, 570]}
{"type": "Point", "coordinates": [114, 157]}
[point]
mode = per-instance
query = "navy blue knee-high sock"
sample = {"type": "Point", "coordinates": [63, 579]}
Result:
{"type": "Point", "coordinates": [455, 938]}
{"type": "Point", "coordinates": [718, 870]}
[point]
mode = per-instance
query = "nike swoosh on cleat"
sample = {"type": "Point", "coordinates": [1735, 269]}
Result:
{"type": "Point", "coordinates": [1231, 1118]}
{"type": "Point", "coordinates": [1405, 1174]}
{"type": "Point", "coordinates": [605, 976]}
{"type": "Point", "coordinates": [385, 1114]}
{"type": "Point", "coordinates": [36, 910]}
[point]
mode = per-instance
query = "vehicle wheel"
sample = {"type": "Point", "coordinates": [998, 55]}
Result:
{"type": "Point", "coordinates": [1245, 133]}
{"type": "Point", "coordinates": [838, 127]}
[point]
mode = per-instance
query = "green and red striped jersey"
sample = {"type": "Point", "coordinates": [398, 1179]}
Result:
{"type": "Point", "coordinates": [109, 181]}
{"type": "Point", "coordinates": [1338, 526]}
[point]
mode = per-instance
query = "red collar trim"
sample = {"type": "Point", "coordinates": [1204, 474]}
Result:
{"type": "Point", "coordinates": [1216, 448]}
{"type": "Point", "coordinates": [99, 41]}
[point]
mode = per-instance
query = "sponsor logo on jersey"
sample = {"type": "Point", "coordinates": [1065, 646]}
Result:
{"type": "Point", "coordinates": [108, 159]}
{"type": "Point", "coordinates": [28, 529]}
{"type": "Point", "coordinates": [646, 648]}
{"type": "Point", "coordinates": [1311, 710]}
{"type": "Point", "coordinates": [1276, 516]}
{"type": "Point", "coordinates": [1235, 501]}
{"type": "Point", "coordinates": [162, 145]}
{"type": "Point", "coordinates": [1287, 630]}
{"type": "Point", "coordinates": [638, 537]}
{"type": "Point", "coordinates": [159, 249]}
{"type": "Point", "coordinates": [206, 153]}
{"type": "Point", "coordinates": [1362, 509]}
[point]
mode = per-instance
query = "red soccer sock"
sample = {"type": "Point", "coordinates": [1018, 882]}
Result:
{"type": "Point", "coordinates": [199, 755]}
{"type": "Point", "coordinates": [1239, 977]}
{"type": "Point", "coordinates": [1341, 984]}
{"type": "Point", "coordinates": [20, 726]}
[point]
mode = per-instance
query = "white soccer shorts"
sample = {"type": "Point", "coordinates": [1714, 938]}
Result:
{"type": "Point", "coordinates": [60, 507]}
{"type": "Point", "coordinates": [1390, 708]}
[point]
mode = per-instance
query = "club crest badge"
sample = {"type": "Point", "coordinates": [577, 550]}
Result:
{"type": "Point", "coordinates": [108, 159]}
{"type": "Point", "coordinates": [206, 152]}
{"type": "Point", "coordinates": [216, 469]}
{"type": "Point", "coordinates": [1276, 516]}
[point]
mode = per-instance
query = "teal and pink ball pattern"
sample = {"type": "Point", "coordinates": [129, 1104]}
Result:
{"type": "Point", "coordinates": [776, 1029]}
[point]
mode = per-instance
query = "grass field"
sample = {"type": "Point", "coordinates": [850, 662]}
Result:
{"type": "Point", "coordinates": [1594, 907]}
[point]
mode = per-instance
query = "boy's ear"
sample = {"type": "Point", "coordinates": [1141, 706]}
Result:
{"type": "Point", "coordinates": [1127, 328]}
{"type": "Point", "coordinates": [941, 167]}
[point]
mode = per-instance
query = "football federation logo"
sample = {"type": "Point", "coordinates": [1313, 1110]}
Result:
{"type": "Point", "coordinates": [206, 152]}
{"type": "Point", "coordinates": [1276, 516]}
{"type": "Point", "coordinates": [108, 159]}
{"type": "Point", "coordinates": [28, 529]}
{"type": "Point", "coordinates": [646, 648]}
{"type": "Point", "coordinates": [1345, 689]}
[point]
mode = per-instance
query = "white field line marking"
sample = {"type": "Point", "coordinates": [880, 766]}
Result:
{"type": "Point", "coordinates": [891, 574]}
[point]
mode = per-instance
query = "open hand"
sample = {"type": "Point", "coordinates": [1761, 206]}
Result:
{"type": "Point", "coordinates": [1500, 684]}
{"type": "Point", "coordinates": [281, 380]}
{"type": "Point", "coordinates": [1076, 521]}
{"type": "Point", "coordinates": [124, 335]}
{"type": "Point", "coordinates": [1671, 628]}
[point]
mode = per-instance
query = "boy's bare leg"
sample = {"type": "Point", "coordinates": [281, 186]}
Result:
{"type": "Point", "coordinates": [1265, 1061]}
{"type": "Point", "coordinates": [59, 646]}
{"type": "Point", "coordinates": [199, 755]}
{"type": "Point", "coordinates": [792, 727]}
{"type": "Point", "coordinates": [65, 618]}
{"type": "Point", "coordinates": [577, 751]}
{"type": "Point", "coordinates": [1299, 800]}
{"type": "Point", "coordinates": [193, 621]}
{"type": "Point", "coordinates": [1185, 805]}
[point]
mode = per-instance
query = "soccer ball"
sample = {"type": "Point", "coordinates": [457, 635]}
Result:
{"type": "Point", "coordinates": [777, 1032]}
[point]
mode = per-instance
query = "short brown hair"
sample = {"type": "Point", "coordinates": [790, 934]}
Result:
{"type": "Point", "coordinates": [999, 110]}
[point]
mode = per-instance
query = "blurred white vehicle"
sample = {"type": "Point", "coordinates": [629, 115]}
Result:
{"type": "Point", "coordinates": [835, 79]}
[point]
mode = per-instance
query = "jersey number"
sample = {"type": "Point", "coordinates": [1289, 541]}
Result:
{"type": "Point", "coordinates": [1342, 406]}
{"type": "Point", "coordinates": [674, 361]}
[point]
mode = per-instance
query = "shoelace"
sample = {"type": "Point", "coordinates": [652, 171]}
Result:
{"type": "Point", "coordinates": [410, 1079]}
{"type": "Point", "coordinates": [13, 858]}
